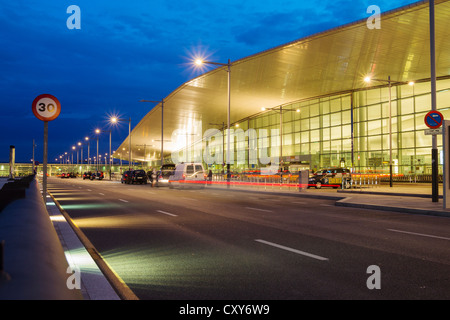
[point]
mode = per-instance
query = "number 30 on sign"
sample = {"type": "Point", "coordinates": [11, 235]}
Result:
{"type": "Point", "coordinates": [46, 107]}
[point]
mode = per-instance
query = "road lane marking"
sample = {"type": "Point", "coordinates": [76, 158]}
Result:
{"type": "Point", "coordinates": [101, 194]}
{"type": "Point", "coordinates": [168, 213]}
{"type": "Point", "coordinates": [89, 190]}
{"type": "Point", "coordinates": [123, 200]}
{"type": "Point", "coordinates": [419, 234]}
{"type": "Point", "coordinates": [310, 255]}
{"type": "Point", "coordinates": [257, 209]}
{"type": "Point", "coordinates": [189, 198]}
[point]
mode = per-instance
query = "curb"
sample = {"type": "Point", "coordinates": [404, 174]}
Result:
{"type": "Point", "coordinates": [119, 286]}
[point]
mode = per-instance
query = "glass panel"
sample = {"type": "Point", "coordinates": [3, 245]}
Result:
{"type": "Point", "coordinates": [336, 132]}
{"type": "Point", "coordinates": [335, 105]}
{"type": "Point", "coordinates": [423, 103]}
{"type": "Point", "coordinates": [335, 119]}
{"type": "Point", "coordinates": [326, 120]}
{"type": "Point", "coordinates": [346, 117]}
{"type": "Point", "coordinates": [315, 123]}
{"type": "Point", "coordinates": [408, 140]}
{"type": "Point", "coordinates": [374, 143]}
{"type": "Point", "coordinates": [374, 127]}
{"type": "Point", "coordinates": [407, 106]}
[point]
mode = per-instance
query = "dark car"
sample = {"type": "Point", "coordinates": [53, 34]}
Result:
{"type": "Point", "coordinates": [331, 177]}
{"type": "Point", "coordinates": [126, 177]}
{"type": "Point", "coordinates": [97, 176]}
{"type": "Point", "coordinates": [72, 175]}
{"type": "Point", "coordinates": [162, 176]}
{"type": "Point", "coordinates": [64, 175]}
{"type": "Point", "coordinates": [87, 175]}
{"type": "Point", "coordinates": [139, 176]}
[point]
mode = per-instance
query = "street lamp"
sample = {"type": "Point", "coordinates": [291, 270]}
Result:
{"type": "Point", "coordinates": [200, 62]}
{"type": "Point", "coordinates": [97, 131]}
{"type": "Point", "coordinates": [100, 131]}
{"type": "Point", "coordinates": [114, 120]}
{"type": "Point", "coordinates": [73, 149]}
{"type": "Point", "coordinates": [87, 141]}
{"type": "Point", "coordinates": [389, 81]}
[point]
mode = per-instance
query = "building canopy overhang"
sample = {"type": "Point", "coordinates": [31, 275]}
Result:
{"type": "Point", "coordinates": [329, 62]}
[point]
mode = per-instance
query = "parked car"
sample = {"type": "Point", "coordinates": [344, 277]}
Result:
{"type": "Point", "coordinates": [126, 177]}
{"type": "Point", "coordinates": [188, 175]}
{"type": "Point", "coordinates": [162, 176]}
{"type": "Point", "coordinates": [87, 175]}
{"type": "Point", "coordinates": [72, 175]}
{"type": "Point", "coordinates": [97, 176]}
{"type": "Point", "coordinates": [331, 177]}
{"type": "Point", "coordinates": [64, 175]}
{"type": "Point", "coordinates": [139, 176]}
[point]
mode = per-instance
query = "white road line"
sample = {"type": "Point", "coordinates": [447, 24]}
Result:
{"type": "Point", "coordinates": [89, 190]}
{"type": "Point", "coordinates": [419, 234]}
{"type": "Point", "coordinates": [101, 194]}
{"type": "Point", "coordinates": [310, 255]}
{"type": "Point", "coordinates": [189, 198]}
{"type": "Point", "coordinates": [326, 205]}
{"type": "Point", "coordinates": [123, 200]}
{"type": "Point", "coordinates": [257, 209]}
{"type": "Point", "coordinates": [168, 213]}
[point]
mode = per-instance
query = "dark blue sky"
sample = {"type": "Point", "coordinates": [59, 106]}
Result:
{"type": "Point", "coordinates": [131, 50]}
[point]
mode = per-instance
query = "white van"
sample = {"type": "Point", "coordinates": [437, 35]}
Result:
{"type": "Point", "coordinates": [188, 175]}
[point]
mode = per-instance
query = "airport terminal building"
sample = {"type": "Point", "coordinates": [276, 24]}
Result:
{"type": "Point", "coordinates": [308, 103]}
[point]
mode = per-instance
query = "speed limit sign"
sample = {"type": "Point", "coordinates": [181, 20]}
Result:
{"type": "Point", "coordinates": [46, 107]}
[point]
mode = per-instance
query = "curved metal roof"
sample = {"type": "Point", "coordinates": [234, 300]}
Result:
{"type": "Point", "coordinates": [328, 62]}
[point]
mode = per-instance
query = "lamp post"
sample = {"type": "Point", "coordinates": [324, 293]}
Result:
{"type": "Point", "coordinates": [97, 131]}
{"type": "Point", "coordinates": [162, 127]}
{"type": "Point", "coordinates": [389, 81]}
{"type": "Point", "coordinates": [115, 120]}
{"type": "Point", "coordinates": [88, 156]}
{"type": "Point", "coordinates": [200, 62]}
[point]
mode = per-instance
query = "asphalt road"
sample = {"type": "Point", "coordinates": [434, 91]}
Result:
{"type": "Point", "coordinates": [210, 244]}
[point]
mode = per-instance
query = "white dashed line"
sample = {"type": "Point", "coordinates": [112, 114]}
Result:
{"type": "Point", "coordinates": [257, 209]}
{"type": "Point", "coordinates": [310, 255]}
{"type": "Point", "coordinates": [167, 213]}
{"type": "Point", "coordinates": [123, 200]}
{"type": "Point", "coordinates": [419, 234]}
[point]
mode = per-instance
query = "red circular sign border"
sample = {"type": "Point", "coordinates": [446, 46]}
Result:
{"type": "Point", "coordinates": [430, 112]}
{"type": "Point", "coordinates": [46, 95]}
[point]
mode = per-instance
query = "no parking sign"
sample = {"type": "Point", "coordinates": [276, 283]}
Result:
{"type": "Point", "coordinates": [433, 119]}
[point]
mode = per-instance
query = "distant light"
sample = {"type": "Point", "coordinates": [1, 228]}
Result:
{"type": "Point", "coordinates": [411, 83]}
{"type": "Point", "coordinates": [367, 79]}
{"type": "Point", "coordinates": [113, 119]}
{"type": "Point", "coordinates": [97, 130]}
{"type": "Point", "coordinates": [237, 125]}
{"type": "Point", "coordinates": [298, 110]}
{"type": "Point", "coordinates": [198, 62]}
{"type": "Point", "coordinates": [263, 109]}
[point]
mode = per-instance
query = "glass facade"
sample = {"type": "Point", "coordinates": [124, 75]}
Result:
{"type": "Point", "coordinates": [351, 130]}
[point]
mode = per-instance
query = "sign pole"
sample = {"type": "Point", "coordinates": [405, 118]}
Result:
{"type": "Point", "coordinates": [46, 108]}
{"type": "Point", "coordinates": [434, 150]}
{"type": "Point", "coordinates": [44, 176]}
